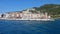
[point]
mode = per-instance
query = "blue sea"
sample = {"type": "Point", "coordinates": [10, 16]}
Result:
{"type": "Point", "coordinates": [29, 27]}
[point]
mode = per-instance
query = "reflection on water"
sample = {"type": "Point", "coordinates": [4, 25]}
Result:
{"type": "Point", "coordinates": [29, 27]}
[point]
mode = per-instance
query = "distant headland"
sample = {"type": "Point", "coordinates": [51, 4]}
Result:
{"type": "Point", "coordinates": [44, 12]}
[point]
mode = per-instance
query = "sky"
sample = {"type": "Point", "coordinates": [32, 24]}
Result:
{"type": "Point", "coordinates": [18, 5]}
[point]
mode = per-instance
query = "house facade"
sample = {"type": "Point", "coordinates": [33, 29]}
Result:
{"type": "Point", "coordinates": [24, 15]}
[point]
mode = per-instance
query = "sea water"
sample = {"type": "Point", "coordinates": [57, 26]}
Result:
{"type": "Point", "coordinates": [29, 27]}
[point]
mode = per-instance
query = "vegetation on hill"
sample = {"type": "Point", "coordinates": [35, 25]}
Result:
{"type": "Point", "coordinates": [51, 9]}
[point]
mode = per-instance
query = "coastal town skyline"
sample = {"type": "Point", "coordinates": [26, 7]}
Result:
{"type": "Point", "coordinates": [25, 15]}
{"type": "Point", "coordinates": [18, 5]}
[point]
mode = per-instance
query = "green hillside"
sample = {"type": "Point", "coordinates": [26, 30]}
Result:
{"type": "Point", "coordinates": [51, 9]}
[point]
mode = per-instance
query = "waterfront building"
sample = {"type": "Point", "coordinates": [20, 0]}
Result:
{"type": "Point", "coordinates": [25, 15]}
{"type": "Point", "coordinates": [0, 15]}
{"type": "Point", "coordinates": [28, 15]}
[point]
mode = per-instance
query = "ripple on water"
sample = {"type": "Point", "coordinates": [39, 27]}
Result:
{"type": "Point", "coordinates": [29, 27]}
